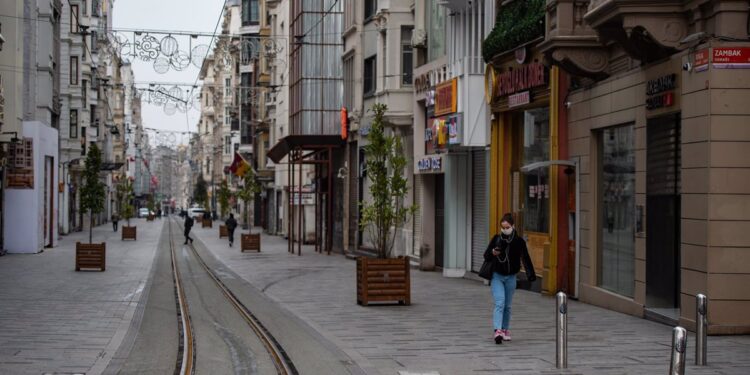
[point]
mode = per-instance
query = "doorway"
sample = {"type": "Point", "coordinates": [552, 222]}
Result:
{"type": "Point", "coordinates": [439, 219]}
{"type": "Point", "coordinates": [663, 156]}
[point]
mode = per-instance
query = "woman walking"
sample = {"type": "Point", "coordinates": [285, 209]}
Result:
{"type": "Point", "coordinates": [506, 251]}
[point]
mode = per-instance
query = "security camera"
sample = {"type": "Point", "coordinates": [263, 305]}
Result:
{"type": "Point", "coordinates": [687, 67]}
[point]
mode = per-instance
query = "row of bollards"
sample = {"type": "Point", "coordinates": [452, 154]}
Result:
{"type": "Point", "coordinates": [679, 336]}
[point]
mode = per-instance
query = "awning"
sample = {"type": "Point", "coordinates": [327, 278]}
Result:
{"type": "Point", "coordinates": [110, 166]}
{"type": "Point", "coordinates": [303, 142]}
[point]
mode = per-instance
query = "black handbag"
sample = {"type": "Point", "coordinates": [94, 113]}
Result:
{"type": "Point", "coordinates": [485, 271]}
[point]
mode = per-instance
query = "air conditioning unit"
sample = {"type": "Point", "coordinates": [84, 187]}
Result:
{"type": "Point", "coordinates": [419, 38]}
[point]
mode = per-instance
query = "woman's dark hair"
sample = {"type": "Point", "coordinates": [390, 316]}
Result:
{"type": "Point", "coordinates": [508, 218]}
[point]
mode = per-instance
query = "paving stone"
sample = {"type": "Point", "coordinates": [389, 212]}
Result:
{"type": "Point", "coordinates": [448, 330]}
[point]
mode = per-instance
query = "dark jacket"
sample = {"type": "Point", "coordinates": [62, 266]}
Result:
{"type": "Point", "coordinates": [188, 223]}
{"type": "Point", "coordinates": [231, 224]}
{"type": "Point", "coordinates": [511, 255]}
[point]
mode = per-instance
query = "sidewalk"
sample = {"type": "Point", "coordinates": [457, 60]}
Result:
{"type": "Point", "coordinates": [448, 326]}
{"type": "Point", "coordinates": [56, 320]}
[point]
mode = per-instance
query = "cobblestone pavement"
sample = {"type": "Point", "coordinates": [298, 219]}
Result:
{"type": "Point", "coordinates": [447, 329]}
{"type": "Point", "coordinates": [56, 320]}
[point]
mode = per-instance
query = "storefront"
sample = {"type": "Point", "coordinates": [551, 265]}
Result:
{"type": "Point", "coordinates": [520, 90]}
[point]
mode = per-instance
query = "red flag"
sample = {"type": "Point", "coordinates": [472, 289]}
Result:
{"type": "Point", "coordinates": [344, 123]}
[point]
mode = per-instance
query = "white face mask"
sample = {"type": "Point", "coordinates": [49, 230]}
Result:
{"type": "Point", "coordinates": [507, 231]}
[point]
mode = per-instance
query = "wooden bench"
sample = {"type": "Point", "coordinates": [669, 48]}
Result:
{"type": "Point", "coordinates": [91, 255]}
{"type": "Point", "coordinates": [249, 242]}
{"type": "Point", "coordinates": [223, 231]}
{"type": "Point", "coordinates": [206, 223]}
{"type": "Point", "coordinates": [129, 233]}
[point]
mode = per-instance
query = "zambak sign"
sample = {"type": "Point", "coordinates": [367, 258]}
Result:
{"type": "Point", "coordinates": [731, 58]}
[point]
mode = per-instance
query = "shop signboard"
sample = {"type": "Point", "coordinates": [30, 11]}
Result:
{"type": "Point", "coordinates": [731, 58]}
{"type": "Point", "coordinates": [445, 97]}
{"type": "Point", "coordinates": [432, 164]}
{"type": "Point", "coordinates": [517, 79]}
{"type": "Point", "coordinates": [660, 92]}
{"type": "Point", "coordinates": [516, 100]}
{"type": "Point", "coordinates": [443, 132]}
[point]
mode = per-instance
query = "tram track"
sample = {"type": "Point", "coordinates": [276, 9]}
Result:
{"type": "Point", "coordinates": [187, 352]}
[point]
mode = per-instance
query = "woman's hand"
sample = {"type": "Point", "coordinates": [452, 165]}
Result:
{"type": "Point", "coordinates": [495, 251]}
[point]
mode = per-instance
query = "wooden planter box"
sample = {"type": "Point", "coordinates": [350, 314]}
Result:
{"type": "Point", "coordinates": [150, 218]}
{"type": "Point", "coordinates": [223, 231]}
{"type": "Point", "coordinates": [91, 255]}
{"type": "Point", "coordinates": [129, 233]}
{"type": "Point", "coordinates": [383, 280]}
{"type": "Point", "coordinates": [206, 223]}
{"type": "Point", "coordinates": [249, 242]}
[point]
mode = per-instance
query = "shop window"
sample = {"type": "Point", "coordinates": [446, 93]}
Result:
{"type": "Point", "coordinates": [536, 189]}
{"type": "Point", "coordinates": [617, 209]}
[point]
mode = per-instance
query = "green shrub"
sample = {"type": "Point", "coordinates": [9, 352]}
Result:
{"type": "Point", "coordinates": [518, 22]}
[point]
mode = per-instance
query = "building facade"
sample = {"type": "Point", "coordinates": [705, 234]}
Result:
{"type": "Point", "coordinates": [32, 120]}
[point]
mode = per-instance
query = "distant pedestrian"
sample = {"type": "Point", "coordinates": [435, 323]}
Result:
{"type": "Point", "coordinates": [188, 226]}
{"type": "Point", "coordinates": [115, 219]}
{"type": "Point", "coordinates": [231, 224]}
{"type": "Point", "coordinates": [506, 251]}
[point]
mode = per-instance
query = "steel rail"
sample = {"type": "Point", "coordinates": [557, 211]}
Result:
{"type": "Point", "coordinates": [185, 363]}
{"type": "Point", "coordinates": [282, 362]}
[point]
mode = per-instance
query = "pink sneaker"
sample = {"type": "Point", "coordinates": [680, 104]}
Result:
{"type": "Point", "coordinates": [506, 334]}
{"type": "Point", "coordinates": [498, 336]}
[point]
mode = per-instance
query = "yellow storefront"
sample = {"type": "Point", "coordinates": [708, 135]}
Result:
{"type": "Point", "coordinates": [521, 92]}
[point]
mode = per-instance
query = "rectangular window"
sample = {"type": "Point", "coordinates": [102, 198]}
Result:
{"type": "Point", "coordinates": [228, 88]}
{"type": "Point", "coordinates": [73, 70]}
{"type": "Point", "coordinates": [617, 209]}
{"type": "Point", "coordinates": [436, 29]}
{"type": "Point", "coordinates": [407, 56]}
{"type": "Point", "coordinates": [349, 82]}
{"type": "Point", "coordinates": [85, 7]}
{"type": "Point", "coordinates": [349, 12]}
{"type": "Point", "coordinates": [95, 8]}
{"type": "Point", "coordinates": [84, 94]}
{"type": "Point", "coordinates": [250, 12]}
{"type": "Point", "coordinates": [227, 116]}
{"type": "Point", "coordinates": [74, 19]}
{"type": "Point", "coordinates": [371, 7]}
{"type": "Point", "coordinates": [73, 123]}
{"type": "Point", "coordinates": [94, 42]}
{"type": "Point", "coordinates": [227, 144]}
{"type": "Point", "coordinates": [370, 75]}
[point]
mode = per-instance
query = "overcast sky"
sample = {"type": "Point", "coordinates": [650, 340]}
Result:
{"type": "Point", "coordinates": [180, 15]}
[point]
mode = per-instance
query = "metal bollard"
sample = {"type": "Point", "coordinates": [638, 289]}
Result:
{"type": "Point", "coordinates": [701, 329]}
{"type": "Point", "coordinates": [679, 344]}
{"type": "Point", "coordinates": [561, 355]}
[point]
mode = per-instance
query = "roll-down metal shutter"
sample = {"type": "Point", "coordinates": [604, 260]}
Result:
{"type": "Point", "coordinates": [479, 208]}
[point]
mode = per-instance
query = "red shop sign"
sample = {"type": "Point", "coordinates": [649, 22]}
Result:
{"type": "Point", "coordinates": [731, 58]}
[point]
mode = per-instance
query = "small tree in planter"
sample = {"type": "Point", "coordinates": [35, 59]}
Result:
{"type": "Point", "coordinates": [224, 196]}
{"type": "Point", "coordinates": [247, 192]}
{"type": "Point", "coordinates": [93, 194]}
{"type": "Point", "coordinates": [125, 196]}
{"type": "Point", "coordinates": [201, 191]}
{"type": "Point", "coordinates": [383, 216]}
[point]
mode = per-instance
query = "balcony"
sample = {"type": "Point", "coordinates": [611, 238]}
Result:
{"type": "Point", "coordinates": [647, 30]}
{"type": "Point", "coordinates": [571, 43]}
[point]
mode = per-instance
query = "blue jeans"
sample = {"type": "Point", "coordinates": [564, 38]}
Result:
{"type": "Point", "coordinates": [503, 288]}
